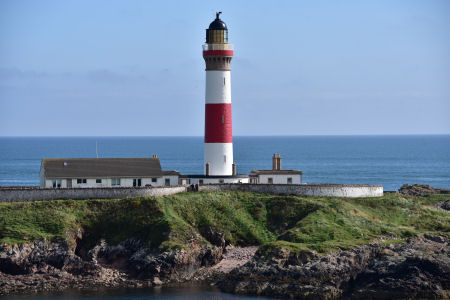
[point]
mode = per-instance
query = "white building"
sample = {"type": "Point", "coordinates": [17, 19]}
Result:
{"type": "Point", "coordinates": [276, 175]}
{"type": "Point", "coordinates": [204, 179]}
{"type": "Point", "coordinates": [104, 172]}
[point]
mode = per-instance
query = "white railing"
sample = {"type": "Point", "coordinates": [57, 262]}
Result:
{"type": "Point", "coordinates": [207, 47]}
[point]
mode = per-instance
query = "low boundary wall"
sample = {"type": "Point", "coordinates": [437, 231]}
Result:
{"type": "Point", "coordinates": [17, 194]}
{"type": "Point", "coordinates": [336, 190]}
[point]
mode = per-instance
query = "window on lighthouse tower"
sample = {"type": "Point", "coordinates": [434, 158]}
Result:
{"type": "Point", "coordinates": [223, 119]}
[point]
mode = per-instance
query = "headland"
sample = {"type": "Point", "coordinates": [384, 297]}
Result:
{"type": "Point", "coordinates": [284, 246]}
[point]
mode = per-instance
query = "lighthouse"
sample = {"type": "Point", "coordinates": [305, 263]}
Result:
{"type": "Point", "coordinates": [217, 52]}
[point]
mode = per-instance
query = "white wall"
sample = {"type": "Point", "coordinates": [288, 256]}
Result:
{"type": "Point", "coordinates": [37, 194]}
{"type": "Point", "coordinates": [173, 179]}
{"type": "Point", "coordinates": [42, 177]}
{"type": "Point", "coordinates": [328, 190]}
{"type": "Point", "coordinates": [218, 87]}
{"type": "Point", "coordinates": [280, 178]}
{"type": "Point", "coordinates": [49, 183]}
{"type": "Point", "coordinates": [217, 180]}
{"type": "Point", "coordinates": [215, 155]}
{"type": "Point", "coordinates": [106, 182]}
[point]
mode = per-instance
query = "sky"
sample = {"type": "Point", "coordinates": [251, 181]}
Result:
{"type": "Point", "coordinates": [135, 68]}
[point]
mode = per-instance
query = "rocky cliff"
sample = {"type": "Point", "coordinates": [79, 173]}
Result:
{"type": "Point", "coordinates": [55, 266]}
{"type": "Point", "coordinates": [416, 269]}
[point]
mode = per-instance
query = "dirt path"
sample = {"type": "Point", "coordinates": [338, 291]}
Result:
{"type": "Point", "coordinates": [233, 258]}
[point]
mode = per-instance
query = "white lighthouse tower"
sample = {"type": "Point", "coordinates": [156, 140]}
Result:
{"type": "Point", "coordinates": [218, 152]}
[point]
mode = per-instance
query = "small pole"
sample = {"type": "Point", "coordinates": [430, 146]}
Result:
{"type": "Point", "coordinates": [96, 148]}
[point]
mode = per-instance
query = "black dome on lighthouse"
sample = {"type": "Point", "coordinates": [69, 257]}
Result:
{"type": "Point", "coordinates": [218, 24]}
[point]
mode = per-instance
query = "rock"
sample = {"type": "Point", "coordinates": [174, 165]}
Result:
{"type": "Point", "coordinates": [420, 190]}
{"type": "Point", "coordinates": [157, 281]}
{"type": "Point", "coordinates": [418, 268]}
{"type": "Point", "coordinates": [214, 236]}
{"type": "Point", "coordinates": [52, 266]}
{"type": "Point", "coordinates": [444, 204]}
{"type": "Point", "coordinates": [175, 265]}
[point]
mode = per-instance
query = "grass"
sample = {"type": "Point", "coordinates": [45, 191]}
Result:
{"type": "Point", "coordinates": [295, 223]}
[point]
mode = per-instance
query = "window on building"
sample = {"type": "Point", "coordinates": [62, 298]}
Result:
{"type": "Point", "coordinates": [223, 119]}
{"type": "Point", "coordinates": [200, 181]}
{"type": "Point", "coordinates": [56, 183]}
{"type": "Point", "coordinates": [221, 181]}
{"type": "Point", "coordinates": [98, 181]}
{"type": "Point", "coordinates": [115, 181]}
{"type": "Point", "coordinates": [137, 182]}
{"type": "Point", "coordinates": [167, 182]}
{"type": "Point", "coordinates": [289, 180]}
{"type": "Point", "coordinates": [270, 180]}
{"type": "Point", "coordinates": [154, 179]}
{"type": "Point", "coordinates": [81, 180]}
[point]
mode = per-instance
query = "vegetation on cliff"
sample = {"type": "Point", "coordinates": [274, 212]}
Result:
{"type": "Point", "coordinates": [170, 222]}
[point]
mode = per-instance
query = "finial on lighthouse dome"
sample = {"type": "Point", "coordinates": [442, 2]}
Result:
{"type": "Point", "coordinates": [218, 24]}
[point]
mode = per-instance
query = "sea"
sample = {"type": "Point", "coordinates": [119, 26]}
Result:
{"type": "Point", "coordinates": [390, 160]}
{"type": "Point", "coordinates": [175, 292]}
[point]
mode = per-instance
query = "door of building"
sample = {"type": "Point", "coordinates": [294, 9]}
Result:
{"type": "Point", "coordinates": [69, 182]}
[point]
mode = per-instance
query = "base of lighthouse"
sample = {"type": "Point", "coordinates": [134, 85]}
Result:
{"type": "Point", "coordinates": [219, 156]}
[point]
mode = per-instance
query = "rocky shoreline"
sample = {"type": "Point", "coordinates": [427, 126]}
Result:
{"type": "Point", "coordinates": [45, 266]}
{"type": "Point", "coordinates": [417, 268]}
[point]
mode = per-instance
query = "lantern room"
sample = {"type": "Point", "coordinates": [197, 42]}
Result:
{"type": "Point", "coordinates": [217, 33]}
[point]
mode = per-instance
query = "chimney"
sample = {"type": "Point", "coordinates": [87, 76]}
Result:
{"type": "Point", "coordinates": [279, 162]}
{"type": "Point", "coordinates": [234, 169]}
{"type": "Point", "coordinates": [207, 169]}
{"type": "Point", "coordinates": [274, 162]}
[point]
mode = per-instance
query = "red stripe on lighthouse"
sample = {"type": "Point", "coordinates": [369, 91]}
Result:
{"type": "Point", "coordinates": [218, 52]}
{"type": "Point", "coordinates": [218, 127]}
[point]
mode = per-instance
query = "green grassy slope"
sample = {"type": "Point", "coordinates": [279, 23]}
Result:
{"type": "Point", "coordinates": [317, 223]}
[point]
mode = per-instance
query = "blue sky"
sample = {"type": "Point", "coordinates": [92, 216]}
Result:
{"type": "Point", "coordinates": [79, 68]}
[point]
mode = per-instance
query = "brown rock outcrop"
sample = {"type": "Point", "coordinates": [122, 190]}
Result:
{"type": "Point", "coordinates": [419, 268]}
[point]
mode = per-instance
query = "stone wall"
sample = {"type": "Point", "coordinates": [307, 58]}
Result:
{"type": "Point", "coordinates": [16, 194]}
{"type": "Point", "coordinates": [337, 190]}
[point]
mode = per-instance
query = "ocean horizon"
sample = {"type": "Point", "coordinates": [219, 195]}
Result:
{"type": "Point", "coordinates": [389, 160]}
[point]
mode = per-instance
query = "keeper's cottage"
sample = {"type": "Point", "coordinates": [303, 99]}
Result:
{"type": "Point", "coordinates": [105, 172]}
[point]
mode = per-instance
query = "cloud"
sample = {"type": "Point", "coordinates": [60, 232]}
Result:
{"type": "Point", "coordinates": [13, 73]}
